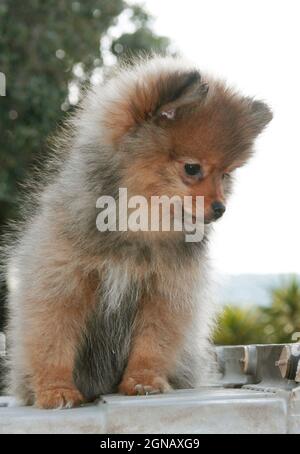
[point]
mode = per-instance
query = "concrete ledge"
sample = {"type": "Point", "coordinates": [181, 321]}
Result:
{"type": "Point", "coordinates": [205, 410]}
{"type": "Point", "coordinates": [258, 392]}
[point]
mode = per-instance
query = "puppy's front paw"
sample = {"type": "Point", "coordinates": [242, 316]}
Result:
{"type": "Point", "coordinates": [59, 398]}
{"type": "Point", "coordinates": [143, 383]}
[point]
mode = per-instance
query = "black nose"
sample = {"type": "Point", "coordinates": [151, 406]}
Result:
{"type": "Point", "coordinates": [218, 209]}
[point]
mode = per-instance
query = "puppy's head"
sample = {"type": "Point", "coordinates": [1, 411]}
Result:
{"type": "Point", "coordinates": [183, 134]}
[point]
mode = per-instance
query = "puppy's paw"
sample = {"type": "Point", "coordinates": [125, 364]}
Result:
{"type": "Point", "coordinates": [59, 398]}
{"type": "Point", "coordinates": [144, 383]}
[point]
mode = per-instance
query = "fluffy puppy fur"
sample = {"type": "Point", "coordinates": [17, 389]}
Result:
{"type": "Point", "coordinates": [92, 312]}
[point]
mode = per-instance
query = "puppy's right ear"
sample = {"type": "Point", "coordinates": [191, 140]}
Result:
{"type": "Point", "coordinates": [177, 92]}
{"type": "Point", "coordinates": [259, 115]}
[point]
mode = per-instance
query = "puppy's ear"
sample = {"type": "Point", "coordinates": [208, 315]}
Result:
{"type": "Point", "coordinates": [178, 91]}
{"type": "Point", "coordinates": [259, 115]}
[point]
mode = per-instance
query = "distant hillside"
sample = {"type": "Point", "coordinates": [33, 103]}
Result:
{"type": "Point", "coordinates": [248, 289]}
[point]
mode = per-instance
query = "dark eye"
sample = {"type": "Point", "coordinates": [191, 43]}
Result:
{"type": "Point", "coordinates": [226, 176]}
{"type": "Point", "coordinates": [193, 170]}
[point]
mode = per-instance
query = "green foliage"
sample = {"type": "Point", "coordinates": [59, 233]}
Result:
{"type": "Point", "coordinates": [143, 40]}
{"type": "Point", "coordinates": [45, 46]}
{"type": "Point", "coordinates": [41, 45]}
{"type": "Point", "coordinates": [282, 318]}
{"type": "Point", "coordinates": [237, 326]}
{"type": "Point", "coordinates": [274, 324]}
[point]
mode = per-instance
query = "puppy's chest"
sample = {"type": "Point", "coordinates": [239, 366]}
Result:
{"type": "Point", "coordinates": [124, 282]}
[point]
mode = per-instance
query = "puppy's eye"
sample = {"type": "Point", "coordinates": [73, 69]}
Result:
{"type": "Point", "coordinates": [193, 170]}
{"type": "Point", "coordinates": [226, 176]}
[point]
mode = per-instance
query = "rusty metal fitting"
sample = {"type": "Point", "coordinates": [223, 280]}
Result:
{"type": "Point", "coordinates": [288, 361]}
{"type": "Point", "coordinates": [248, 361]}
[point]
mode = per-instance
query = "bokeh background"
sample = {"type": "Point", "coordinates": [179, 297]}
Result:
{"type": "Point", "coordinates": [50, 49]}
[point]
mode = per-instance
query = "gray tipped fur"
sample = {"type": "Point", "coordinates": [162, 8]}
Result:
{"type": "Point", "coordinates": [74, 291]}
{"type": "Point", "coordinates": [104, 348]}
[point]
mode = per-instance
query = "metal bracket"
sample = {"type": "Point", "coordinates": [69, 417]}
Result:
{"type": "Point", "coordinates": [260, 366]}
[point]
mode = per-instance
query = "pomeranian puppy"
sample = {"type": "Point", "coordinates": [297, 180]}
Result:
{"type": "Point", "coordinates": [94, 312]}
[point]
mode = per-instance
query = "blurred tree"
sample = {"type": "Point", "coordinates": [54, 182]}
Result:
{"type": "Point", "coordinates": [46, 49]}
{"type": "Point", "coordinates": [274, 324]}
{"type": "Point", "coordinates": [282, 319]}
{"type": "Point", "coordinates": [43, 47]}
{"type": "Point", "coordinates": [143, 40]}
{"type": "Point", "coordinates": [237, 326]}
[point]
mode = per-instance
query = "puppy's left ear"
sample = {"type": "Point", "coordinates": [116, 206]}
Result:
{"type": "Point", "coordinates": [177, 92]}
{"type": "Point", "coordinates": [259, 115]}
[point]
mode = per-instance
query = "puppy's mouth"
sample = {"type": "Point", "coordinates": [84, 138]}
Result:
{"type": "Point", "coordinates": [191, 217]}
{"type": "Point", "coordinates": [211, 220]}
{"type": "Point", "coordinates": [186, 215]}
{"type": "Point", "coordinates": [196, 220]}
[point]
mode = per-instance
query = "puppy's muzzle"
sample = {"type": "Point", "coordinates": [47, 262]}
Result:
{"type": "Point", "coordinates": [218, 209]}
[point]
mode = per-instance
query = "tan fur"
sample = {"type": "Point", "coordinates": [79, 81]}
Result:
{"type": "Point", "coordinates": [52, 321]}
{"type": "Point", "coordinates": [124, 134]}
{"type": "Point", "coordinates": [150, 360]}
